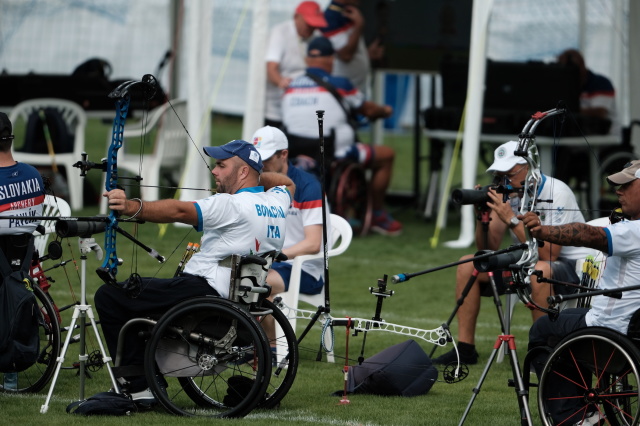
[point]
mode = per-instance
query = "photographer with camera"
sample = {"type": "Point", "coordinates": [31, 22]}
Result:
{"type": "Point", "coordinates": [497, 207]}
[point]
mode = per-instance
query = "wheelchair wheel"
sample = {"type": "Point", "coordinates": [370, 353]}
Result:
{"type": "Point", "coordinates": [208, 357]}
{"type": "Point", "coordinates": [591, 372]}
{"type": "Point", "coordinates": [34, 378]}
{"type": "Point", "coordinates": [351, 197]}
{"type": "Point", "coordinates": [285, 372]}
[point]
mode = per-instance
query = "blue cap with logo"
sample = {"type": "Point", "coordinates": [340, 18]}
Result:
{"type": "Point", "coordinates": [320, 46]}
{"type": "Point", "coordinates": [237, 148]}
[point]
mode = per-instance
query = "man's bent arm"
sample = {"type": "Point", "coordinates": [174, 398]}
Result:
{"type": "Point", "coordinates": [570, 234]}
{"type": "Point", "coordinates": [271, 179]}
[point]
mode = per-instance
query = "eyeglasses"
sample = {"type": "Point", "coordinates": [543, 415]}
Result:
{"type": "Point", "coordinates": [6, 138]}
{"type": "Point", "coordinates": [510, 175]}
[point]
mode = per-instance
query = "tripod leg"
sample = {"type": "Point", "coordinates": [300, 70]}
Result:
{"type": "Point", "coordinates": [45, 407]}
{"type": "Point", "coordinates": [459, 302]}
{"type": "Point", "coordinates": [521, 391]}
{"type": "Point", "coordinates": [105, 358]}
{"type": "Point", "coordinates": [476, 390]}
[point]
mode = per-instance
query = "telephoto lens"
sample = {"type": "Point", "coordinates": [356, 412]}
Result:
{"type": "Point", "coordinates": [471, 196]}
{"type": "Point", "coordinates": [80, 228]}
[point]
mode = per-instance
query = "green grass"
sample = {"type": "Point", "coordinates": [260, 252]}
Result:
{"type": "Point", "coordinates": [425, 302]}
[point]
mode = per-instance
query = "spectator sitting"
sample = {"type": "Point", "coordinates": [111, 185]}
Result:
{"type": "Point", "coordinates": [319, 90]}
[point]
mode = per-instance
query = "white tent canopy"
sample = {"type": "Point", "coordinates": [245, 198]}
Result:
{"type": "Point", "coordinates": [582, 27]}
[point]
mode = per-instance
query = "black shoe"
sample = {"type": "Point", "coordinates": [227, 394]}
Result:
{"type": "Point", "coordinates": [450, 357]}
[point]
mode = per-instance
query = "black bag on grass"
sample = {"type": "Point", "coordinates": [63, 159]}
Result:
{"type": "Point", "coordinates": [400, 370]}
{"type": "Point", "coordinates": [104, 404]}
{"type": "Point", "coordinates": [19, 339]}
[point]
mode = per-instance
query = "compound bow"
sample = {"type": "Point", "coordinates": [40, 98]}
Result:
{"type": "Point", "coordinates": [147, 87]}
{"type": "Point", "coordinates": [527, 149]}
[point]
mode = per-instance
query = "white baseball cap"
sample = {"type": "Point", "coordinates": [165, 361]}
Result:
{"type": "Point", "coordinates": [268, 140]}
{"type": "Point", "coordinates": [504, 158]}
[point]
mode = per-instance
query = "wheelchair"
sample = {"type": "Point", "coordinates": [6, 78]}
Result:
{"type": "Point", "coordinates": [596, 366]}
{"type": "Point", "coordinates": [210, 357]}
{"type": "Point", "coordinates": [346, 182]}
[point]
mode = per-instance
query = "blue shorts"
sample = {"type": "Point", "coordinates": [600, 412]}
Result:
{"type": "Point", "coordinates": [361, 153]}
{"type": "Point", "coordinates": [308, 284]}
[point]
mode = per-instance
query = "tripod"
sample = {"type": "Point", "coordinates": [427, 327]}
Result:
{"type": "Point", "coordinates": [507, 341]}
{"type": "Point", "coordinates": [81, 311]}
{"type": "Point", "coordinates": [485, 220]}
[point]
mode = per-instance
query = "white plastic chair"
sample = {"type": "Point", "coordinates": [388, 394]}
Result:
{"type": "Point", "coordinates": [171, 143]}
{"type": "Point", "coordinates": [54, 207]}
{"type": "Point", "coordinates": [340, 238]}
{"type": "Point", "coordinates": [76, 120]}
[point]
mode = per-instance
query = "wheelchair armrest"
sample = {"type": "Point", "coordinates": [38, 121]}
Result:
{"type": "Point", "coordinates": [252, 258]}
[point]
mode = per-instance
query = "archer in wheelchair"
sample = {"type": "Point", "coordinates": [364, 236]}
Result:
{"type": "Point", "coordinates": [588, 359]}
{"type": "Point", "coordinates": [205, 338]}
{"type": "Point", "coordinates": [319, 90]}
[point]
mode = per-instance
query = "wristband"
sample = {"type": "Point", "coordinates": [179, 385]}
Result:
{"type": "Point", "coordinates": [139, 209]}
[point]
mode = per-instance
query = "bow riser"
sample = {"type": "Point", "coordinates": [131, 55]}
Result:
{"type": "Point", "coordinates": [122, 95]}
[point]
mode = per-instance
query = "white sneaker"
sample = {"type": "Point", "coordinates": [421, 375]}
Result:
{"type": "Point", "coordinates": [593, 419]}
{"type": "Point", "coordinates": [144, 399]}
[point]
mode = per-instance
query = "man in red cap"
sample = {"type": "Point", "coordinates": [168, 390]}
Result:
{"type": "Point", "coordinates": [285, 55]}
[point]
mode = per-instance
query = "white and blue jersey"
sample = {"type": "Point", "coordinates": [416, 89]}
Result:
{"type": "Point", "coordinates": [304, 97]}
{"type": "Point", "coordinates": [622, 269]}
{"type": "Point", "coordinates": [251, 221]}
{"type": "Point", "coordinates": [21, 194]}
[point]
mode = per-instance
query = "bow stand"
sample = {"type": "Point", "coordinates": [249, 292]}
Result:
{"type": "Point", "coordinates": [109, 224]}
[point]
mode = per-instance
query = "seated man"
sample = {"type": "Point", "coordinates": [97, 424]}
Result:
{"type": "Point", "coordinates": [557, 205]}
{"type": "Point", "coordinates": [620, 243]}
{"type": "Point", "coordinates": [598, 105]}
{"type": "Point", "coordinates": [319, 90]}
{"type": "Point", "coordinates": [304, 219]}
{"type": "Point", "coordinates": [231, 224]}
{"type": "Point", "coordinates": [24, 199]}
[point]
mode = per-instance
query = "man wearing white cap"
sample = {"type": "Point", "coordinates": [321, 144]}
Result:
{"type": "Point", "coordinates": [241, 218]}
{"type": "Point", "coordinates": [619, 241]}
{"type": "Point", "coordinates": [556, 205]}
{"type": "Point", "coordinates": [304, 219]}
